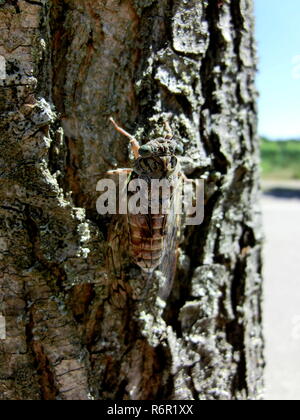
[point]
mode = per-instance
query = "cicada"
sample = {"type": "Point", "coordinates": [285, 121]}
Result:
{"type": "Point", "coordinates": [150, 238]}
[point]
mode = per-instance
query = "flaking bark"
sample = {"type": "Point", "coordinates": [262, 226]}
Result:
{"type": "Point", "coordinates": [76, 329]}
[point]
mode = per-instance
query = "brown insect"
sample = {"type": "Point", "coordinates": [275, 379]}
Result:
{"type": "Point", "coordinates": [153, 238]}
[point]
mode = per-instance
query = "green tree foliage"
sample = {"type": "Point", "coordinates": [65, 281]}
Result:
{"type": "Point", "coordinates": [280, 159]}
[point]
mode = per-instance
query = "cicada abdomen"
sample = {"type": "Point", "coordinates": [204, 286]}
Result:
{"type": "Point", "coordinates": [149, 230]}
{"type": "Point", "coordinates": [147, 240]}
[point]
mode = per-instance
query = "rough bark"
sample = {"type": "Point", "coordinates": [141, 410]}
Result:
{"type": "Point", "coordinates": [70, 65]}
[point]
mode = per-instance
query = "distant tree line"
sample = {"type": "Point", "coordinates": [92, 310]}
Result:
{"type": "Point", "coordinates": [280, 159]}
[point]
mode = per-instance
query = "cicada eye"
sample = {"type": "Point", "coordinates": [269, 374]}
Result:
{"type": "Point", "coordinates": [145, 151]}
{"type": "Point", "coordinates": [174, 162]}
{"type": "Point", "coordinates": [179, 149]}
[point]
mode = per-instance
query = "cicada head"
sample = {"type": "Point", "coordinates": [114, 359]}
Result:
{"type": "Point", "coordinates": [158, 158]}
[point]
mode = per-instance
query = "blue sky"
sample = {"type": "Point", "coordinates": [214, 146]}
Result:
{"type": "Point", "coordinates": [278, 36]}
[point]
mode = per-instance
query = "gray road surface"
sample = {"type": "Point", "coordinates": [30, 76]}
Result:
{"type": "Point", "coordinates": [282, 294]}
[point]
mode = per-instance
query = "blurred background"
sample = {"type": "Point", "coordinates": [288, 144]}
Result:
{"type": "Point", "coordinates": [278, 36]}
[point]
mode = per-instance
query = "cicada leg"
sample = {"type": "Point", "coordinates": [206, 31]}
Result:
{"type": "Point", "coordinates": [184, 178]}
{"type": "Point", "coordinates": [135, 146]}
{"type": "Point", "coordinates": [119, 171]}
{"type": "Point", "coordinates": [168, 128]}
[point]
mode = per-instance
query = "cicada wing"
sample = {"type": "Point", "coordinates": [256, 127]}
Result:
{"type": "Point", "coordinates": [117, 246]}
{"type": "Point", "coordinates": [118, 259]}
{"type": "Point", "coordinates": [172, 239]}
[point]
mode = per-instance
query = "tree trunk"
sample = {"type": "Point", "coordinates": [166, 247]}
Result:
{"type": "Point", "coordinates": [70, 65]}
